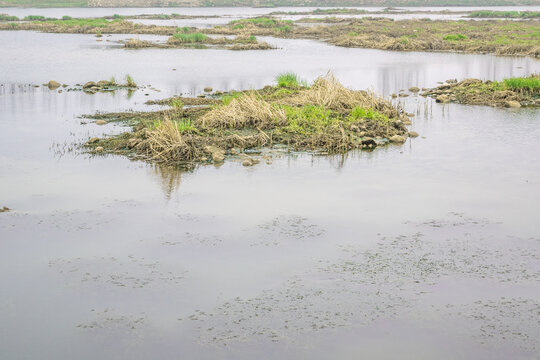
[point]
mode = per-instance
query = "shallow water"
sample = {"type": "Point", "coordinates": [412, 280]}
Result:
{"type": "Point", "coordinates": [426, 250]}
{"type": "Point", "coordinates": [226, 11]}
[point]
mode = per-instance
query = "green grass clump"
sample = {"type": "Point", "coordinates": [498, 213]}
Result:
{"type": "Point", "coordinates": [307, 119]}
{"type": "Point", "coordinates": [455, 37]}
{"type": "Point", "coordinates": [34, 17]}
{"type": "Point", "coordinates": [177, 103]}
{"type": "Point", "coordinates": [528, 84]}
{"type": "Point", "coordinates": [96, 23]}
{"type": "Point", "coordinates": [290, 80]}
{"type": "Point", "coordinates": [261, 22]}
{"type": "Point", "coordinates": [505, 14]}
{"type": "Point", "coordinates": [184, 30]}
{"type": "Point", "coordinates": [226, 99]}
{"type": "Point", "coordinates": [6, 17]}
{"type": "Point", "coordinates": [65, 17]}
{"type": "Point", "coordinates": [130, 82]}
{"type": "Point", "coordinates": [190, 38]}
{"type": "Point", "coordinates": [359, 113]}
{"type": "Point", "coordinates": [183, 125]}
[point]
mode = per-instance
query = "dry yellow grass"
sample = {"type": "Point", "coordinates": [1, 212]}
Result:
{"type": "Point", "coordinates": [248, 110]}
{"type": "Point", "coordinates": [167, 144]}
{"type": "Point", "coordinates": [328, 92]}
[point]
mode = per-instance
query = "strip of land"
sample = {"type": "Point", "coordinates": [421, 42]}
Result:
{"type": "Point", "coordinates": [501, 37]}
{"type": "Point", "coordinates": [256, 3]}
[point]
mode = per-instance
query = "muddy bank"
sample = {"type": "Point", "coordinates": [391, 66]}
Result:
{"type": "Point", "coordinates": [324, 118]}
{"type": "Point", "coordinates": [513, 93]}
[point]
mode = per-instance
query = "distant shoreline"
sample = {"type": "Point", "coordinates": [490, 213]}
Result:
{"type": "Point", "coordinates": [257, 3]}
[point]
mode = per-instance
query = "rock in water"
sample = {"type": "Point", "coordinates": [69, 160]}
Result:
{"type": "Point", "coordinates": [218, 155]}
{"type": "Point", "coordinates": [397, 139]}
{"type": "Point", "coordinates": [442, 99]}
{"type": "Point", "coordinates": [89, 85]}
{"type": "Point", "coordinates": [53, 84]}
{"type": "Point", "coordinates": [512, 104]}
{"type": "Point", "coordinates": [101, 122]}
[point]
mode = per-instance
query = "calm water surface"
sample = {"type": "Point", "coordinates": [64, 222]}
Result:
{"type": "Point", "coordinates": [421, 251]}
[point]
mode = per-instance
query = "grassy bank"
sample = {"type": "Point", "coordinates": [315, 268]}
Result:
{"type": "Point", "coordinates": [324, 117]}
{"type": "Point", "coordinates": [43, 3]}
{"type": "Point", "coordinates": [512, 92]}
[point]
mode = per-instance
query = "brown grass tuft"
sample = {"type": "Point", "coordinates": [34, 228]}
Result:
{"type": "Point", "coordinates": [167, 144]}
{"type": "Point", "coordinates": [249, 110]}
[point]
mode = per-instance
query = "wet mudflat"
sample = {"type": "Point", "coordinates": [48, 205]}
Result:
{"type": "Point", "coordinates": [426, 250]}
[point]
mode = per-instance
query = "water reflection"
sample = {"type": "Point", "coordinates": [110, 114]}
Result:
{"type": "Point", "coordinates": [168, 177]}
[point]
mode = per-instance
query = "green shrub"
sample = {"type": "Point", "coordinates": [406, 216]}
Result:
{"type": "Point", "coordinates": [177, 103]}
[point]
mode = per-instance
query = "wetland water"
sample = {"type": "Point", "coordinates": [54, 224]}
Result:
{"type": "Point", "coordinates": [421, 251]}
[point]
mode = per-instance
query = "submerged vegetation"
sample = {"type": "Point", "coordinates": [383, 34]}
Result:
{"type": "Point", "coordinates": [324, 117]}
{"type": "Point", "coordinates": [513, 92]}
